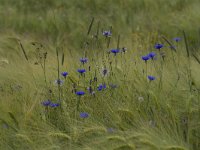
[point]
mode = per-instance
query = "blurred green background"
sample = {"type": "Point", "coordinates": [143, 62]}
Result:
{"type": "Point", "coordinates": [69, 19]}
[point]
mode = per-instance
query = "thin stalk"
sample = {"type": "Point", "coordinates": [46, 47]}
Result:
{"type": "Point", "coordinates": [109, 38]}
{"type": "Point", "coordinates": [44, 69]}
{"type": "Point", "coordinates": [161, 75]}
{"type": "Point", "coordinates": [176, 67]}
{"type": "Point", "coordinates": [58, 70]}
{"type": "Point", "coordinates": [118, 41]}
{"type": "Point", "coordinates": [90, 26]}
{"type": "Point", "coordinates": [78, 103]}
{"type": "Point", "coordinates": [146, 71]}
{"type": "Point", "coordinates": [23, 50]}
{"type": "Point", "coordinates": [189, 63]}
{"type": "Point", "coordinates": [63, 58]}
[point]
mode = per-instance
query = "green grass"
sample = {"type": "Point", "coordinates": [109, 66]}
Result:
{"type": "Point", "coordinates": [162, 114]}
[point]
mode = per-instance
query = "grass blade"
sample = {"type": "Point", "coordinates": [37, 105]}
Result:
{"type": "Point", "coordinates": [63, 58]}
{"type": "Point", "coordinates": [118, 41]}
{"type": "Point", "coordinates": [108, 42]}
{"type": "Point", "coordinates": [23, 50]}
{"type": "Point", "coordinates": [14, 119]}
{"type": "Point", "coordinates": [186, 44]}
{"type": "Point", "coordinates": [90, 27]}
{"type": "Point", "coordinates": [170, 44]}
{"type": "Point", "coordinates": [196, 58]}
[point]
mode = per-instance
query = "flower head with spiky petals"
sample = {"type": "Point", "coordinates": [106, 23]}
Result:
{"type": "Point", "coordinates": [152, 55]}
{"type": "Point", "coordinates": [158, 46]}
{"type": "Point", "coordinates": [81, 71]}
{"type": "Point", "coordinates": [145, 58]}
{"type": "Point", "coordinates": [64, 74]}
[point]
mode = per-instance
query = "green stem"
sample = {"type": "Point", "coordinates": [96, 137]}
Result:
{"type": "Point", "coordinates": [59, 92]}
{"type": "Point", "coordinates": [78, 103]}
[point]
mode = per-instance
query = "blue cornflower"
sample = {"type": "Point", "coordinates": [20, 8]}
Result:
{"type": "Point", "coordinates": [46, 103]}
{"type": "Point", "coordinates": [152, 55]}
{"type": "Point", "coordinates": [84, 60]}
{"type": "Point", "coordinates": [81, 71]}
{"type": "Point", "coordinates": [115, 51]}
{"type": "Point", "coordinates": [151, 78]}
{"type": "Point", "coordinates": [59, 82]}
{"type": "Point", "coordinates": [80, 93]}
{"type": "Point", "coordinates": [145, 58]}
{"type": "Point", "coordinates": [158, 46]}
{"type": "Point", "coordinates": [84, 115]}
{"type": "Point", "coordinates": [64, 74]}
{"type": "Point", "coordinates": [101, 87]}
{"type": "Point", "coordinates": [54, 105]}
{"type": "Point", "coordinates": [107, 33]}
{"type": "Point", "coordinates": [177, 39]}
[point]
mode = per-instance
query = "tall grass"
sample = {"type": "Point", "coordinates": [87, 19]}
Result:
{"type": "Point", "coordinates": [66, 20]}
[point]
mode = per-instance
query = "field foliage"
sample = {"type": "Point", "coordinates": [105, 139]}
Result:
{"type": "Point", "coordinates": [128, 103]}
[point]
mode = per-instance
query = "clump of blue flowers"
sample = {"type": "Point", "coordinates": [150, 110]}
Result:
{"type": "Point", "coordinates": [101, 87]}
{"type": "Point", "coordinates": [50, 104]}
{"type": "Point", "coordinates": [54, 105]}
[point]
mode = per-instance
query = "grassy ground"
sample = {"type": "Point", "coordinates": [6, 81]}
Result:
{"type": "Point", "coordinates": [41, 39]}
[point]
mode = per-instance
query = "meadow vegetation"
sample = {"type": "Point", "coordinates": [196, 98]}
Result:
{"type": "Point", "coordinates": [104, 74]}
